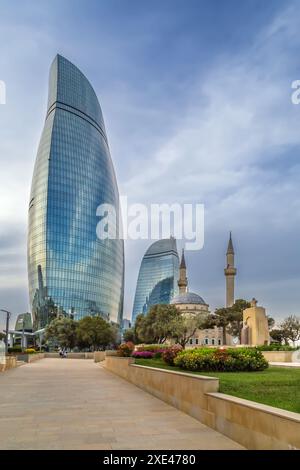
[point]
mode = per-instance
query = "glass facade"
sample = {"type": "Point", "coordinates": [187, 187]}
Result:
{"type": "Point", "coordinates": [158, 276]}
{"type": "Point", "coordinates": [70, 270]}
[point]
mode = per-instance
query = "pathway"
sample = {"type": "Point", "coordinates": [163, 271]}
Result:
{"type": "Point", "coordinates": [76, 404]}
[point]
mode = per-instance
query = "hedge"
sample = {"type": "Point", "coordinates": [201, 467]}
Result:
{"type": "Point", "coordinates": [226, 360]}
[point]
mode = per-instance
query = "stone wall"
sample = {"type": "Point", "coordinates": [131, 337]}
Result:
{"type": "Point", "coordinates": [99, 356]}
{"type": "Point", "coordinates": [186, 392]}
{"type": "Point", "coordinates": [251, 424]}
{"type": "Point", "coordinates": [278, 356]}
{"type": "Point", "coordinates": [30, 357]}
{"type": "Point", "coordinates": [10, 362]}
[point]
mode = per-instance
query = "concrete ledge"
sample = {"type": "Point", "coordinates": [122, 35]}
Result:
{"type": "Point", "coordinates": [251, 424]}
{"type": "Point", "coordinates": [254, 425]}
{"type": "Point", "coordinates": [10, 363]}
{"type": "Point", "coordinates": [278, 356]}
{"type": "Point", "coordinates": [99, 356]}
{"type": "Point", "coordinates": [71, 355]}
{"type": "Point", "coordinates": [30, 357]}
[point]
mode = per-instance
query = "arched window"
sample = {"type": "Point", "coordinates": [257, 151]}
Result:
{"type": "Point", "coordinates": [191, 341]}
{"type": "Point", "coordinates": [213, 341]}
{"type": "Point", "coordinates": [206, 341]}
{"type": "Point", "coordinates": [219, 342]}
{"type": "Point", "coordinates": [197, 341]}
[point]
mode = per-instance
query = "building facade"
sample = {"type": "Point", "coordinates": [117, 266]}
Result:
{"type": "Point", "coordinates": [70, 269]}
{"type": "Point", "coordinates": [158, 276]}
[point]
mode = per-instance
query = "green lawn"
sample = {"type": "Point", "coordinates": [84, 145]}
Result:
{"type": "Point", "coordinates": [276, 386]}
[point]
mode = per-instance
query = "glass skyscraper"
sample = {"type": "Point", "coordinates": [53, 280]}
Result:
{"type": "Point", "coordinates": [158, 276]}
{"type": "Point", "coordinates": [70, 269]}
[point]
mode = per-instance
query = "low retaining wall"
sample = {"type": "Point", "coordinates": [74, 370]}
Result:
{"type": "Point", "coordinates": [278, 356]}
{"type": "Point", "coordinates": [72, 355]}
{"type": "Point", "coordinates": [251, 424]}
{"type": "Point", "coordinates": [255, 426]}
{"type": "Point", "coordinates": [30, 357]}
{"type": "Point", "coordinates": [10, 363]}
{"type": "Point", "coordinates": [186, 392]}
{"type": "Point", "coordinates": [99, 356]}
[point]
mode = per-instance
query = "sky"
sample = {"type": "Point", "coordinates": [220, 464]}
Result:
{"type": "Point", "coordinates": [196, 97]}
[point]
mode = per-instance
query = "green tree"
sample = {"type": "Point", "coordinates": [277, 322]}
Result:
{"type": "Point", "coordinates": [95, 333]}
{"type": "Point", "coordinates": [277, 335]}
{"type": "Point", "coordinates": [129, 335]}
{"type": "Point", "coordinates": [230, 319]}
{"type": "Point", "coordinates": [63, 331]}
{"type": "Point", "coordinates": [291, 328]}
{"type": "Point", "coordinates": [2, 336]}
{"type": "Point", "coordinates": [158, 325]}
{"type": "Point", "coordinates": [185, 326]}
{"type": "Point", "coordinates": [271, 322]}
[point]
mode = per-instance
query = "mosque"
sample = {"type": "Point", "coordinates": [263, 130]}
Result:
{"type": "Point", "coordinates": [190, 303]}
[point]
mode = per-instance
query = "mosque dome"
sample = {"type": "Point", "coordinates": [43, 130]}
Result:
{"type": "Point", "coordinates": [188, 298]}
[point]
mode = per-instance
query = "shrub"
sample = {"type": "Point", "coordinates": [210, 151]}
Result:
{"type": "Point", "coordinates": [226, 360]}
{"type": "Point", "coordinates": [170, 354]}
{"type": "Point", "coordinates": [30, 351]}
{"type": "Point", "coordinates": [15, 349]}
{"type": "Point", "coordinates": [276, 347]}
{"type": "Point", "coordinates": [126, 349]}
{"type": "Point", "coordinates": [143, 354]}
{"type": "Point", "coordinates": [152, 347]}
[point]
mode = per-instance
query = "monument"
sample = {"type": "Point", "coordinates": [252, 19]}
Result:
{"type": "Point", "coordinates": [255, 331]}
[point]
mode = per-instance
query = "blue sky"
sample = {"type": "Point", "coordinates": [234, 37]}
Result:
{"type": "Point", "coordinates": [196, 101]}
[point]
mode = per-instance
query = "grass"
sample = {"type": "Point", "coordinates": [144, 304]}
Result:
{"type": "Point", "coordinates": [276, 386]}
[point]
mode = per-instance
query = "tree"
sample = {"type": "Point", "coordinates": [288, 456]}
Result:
{"type": "Point", "coordinates": [185, 326]}
{"type": "Point", "coordinates": [291, 328]}
{"type": "Point", "coordinates": [277, 335]}
{"type": "Point", "coordinates": [230, 319]}
{"type": "Point", "coordinates": [129, 335]}
{"type": "Point", "coordinates": [236, 317]}
{"type": "Point", "coordinates": [2, 336]}
{"type": "Point", "coordinates": [95, 333]}
{"type": "Point", "coordinates": [271, 322]}
{"type": "Point", "coordinates": [63, 331]}
{"type": "Point", "coordinates": [158, 325]}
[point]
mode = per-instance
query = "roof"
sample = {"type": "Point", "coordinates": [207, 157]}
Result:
{"type": "Point", "coordinates": [188, 298]}
{"type": "Point", "coordinates": [230, 250]}
{"type": "Point", "coordinates": [182, 263]}
{"type": "Point", "coordinates": [162, 246]}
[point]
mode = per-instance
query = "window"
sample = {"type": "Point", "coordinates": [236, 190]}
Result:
{"type": "Point", "coordinates": [213, 341]}
{"type": "Point", "coordinates": [197, 341]}
{"type": "Point", "coordinates": [206, 341]}
{"type": "Point", "coordinates": [191, 341]}
{"type": "Point", "coordinates": [219, 342]}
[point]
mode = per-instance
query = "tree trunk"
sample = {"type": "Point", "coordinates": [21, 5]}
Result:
{"type": "Point", "coordinates": [224, 335]}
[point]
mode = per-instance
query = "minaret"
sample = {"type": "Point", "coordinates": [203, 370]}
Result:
{"type": "Point", "coordinates": [183, 282]}
{"type": "Point", "coordinates": [230, 272]}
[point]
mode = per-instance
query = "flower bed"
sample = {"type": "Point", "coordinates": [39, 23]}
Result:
{"type": "Point", "coordinates": [226, 360]}
{"type": "Point", "coordinates": [143, 354]}
{"type": "Point", "coordinates": [157, 350]}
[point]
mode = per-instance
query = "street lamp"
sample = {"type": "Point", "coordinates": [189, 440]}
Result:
{"type": "Point", "coordinates": [8, 315]}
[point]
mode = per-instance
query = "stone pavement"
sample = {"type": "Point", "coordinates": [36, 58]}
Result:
{"type": "Point", "coordinates": [76, 404]}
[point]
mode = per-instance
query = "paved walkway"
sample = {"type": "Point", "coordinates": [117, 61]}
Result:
{"type": "Point", "coordinates": [76, 404]}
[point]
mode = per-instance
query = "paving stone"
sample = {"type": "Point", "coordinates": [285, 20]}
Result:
{"type": "Point", "coordinates": [76, 404]}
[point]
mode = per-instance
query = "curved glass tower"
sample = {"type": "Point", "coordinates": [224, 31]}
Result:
{"type": "Point", "coordinates": [70, 270]}
{"type": "Point", "coordinates": [158, 276]}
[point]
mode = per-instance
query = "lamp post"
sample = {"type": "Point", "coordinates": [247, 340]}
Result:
{"type": "Point", "coordinates": [8, 315]}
